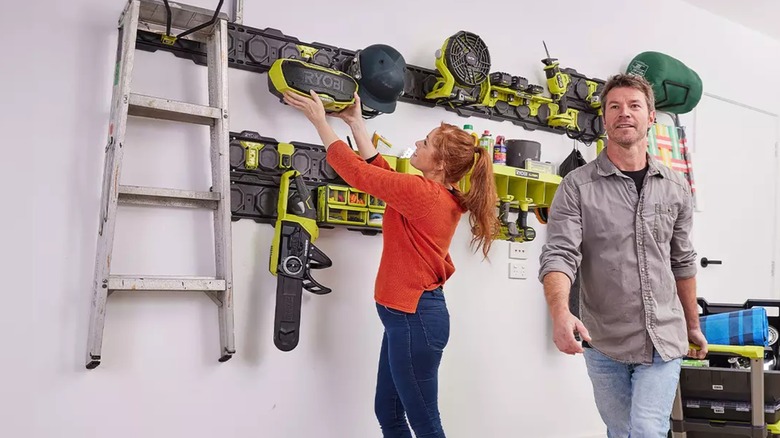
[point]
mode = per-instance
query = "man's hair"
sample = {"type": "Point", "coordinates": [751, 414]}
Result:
{"type": "Point", "coordinates": [630, 81]}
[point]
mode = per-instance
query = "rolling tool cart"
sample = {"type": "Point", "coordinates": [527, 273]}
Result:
{"type": "Point", "coordinates": [735, 391]}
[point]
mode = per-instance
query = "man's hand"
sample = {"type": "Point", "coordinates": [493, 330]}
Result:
{"type": "Point", "coordinates": [311, 107]}
{"type": "Point", "coordinates": [696, 337]}
{"type": "Point", "coordinates": [564, 326]}
{"type": "Point", "coordinates": [352, 115]}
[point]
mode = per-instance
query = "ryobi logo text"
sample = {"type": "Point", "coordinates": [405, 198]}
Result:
{"type": "Point", "coordinates": [317, 78]}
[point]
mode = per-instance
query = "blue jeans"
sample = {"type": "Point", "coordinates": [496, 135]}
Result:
{"type": "Point", "coordinates": [634, 400]}
{"type": "Point", "coordinates": [407, 381]}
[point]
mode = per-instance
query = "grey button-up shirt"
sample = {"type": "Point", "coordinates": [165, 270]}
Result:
{"type": "Point", "coordinates": [629, 249]}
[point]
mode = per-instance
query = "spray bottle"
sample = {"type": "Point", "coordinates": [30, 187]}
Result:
{"type": "Point", "coordinates": [499, 151]}
{"type": "Point", "coordinates": [486, 142]}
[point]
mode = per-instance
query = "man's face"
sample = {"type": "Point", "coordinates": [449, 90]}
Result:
{"type": "Point", "coordinates": [626, 116]}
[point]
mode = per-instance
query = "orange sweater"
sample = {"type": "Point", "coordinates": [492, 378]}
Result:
{"type": "Point", "coordinates": [420, 220]}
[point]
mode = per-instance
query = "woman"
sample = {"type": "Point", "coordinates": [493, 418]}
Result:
{"type": "Point", "coordinates": [420, 220]}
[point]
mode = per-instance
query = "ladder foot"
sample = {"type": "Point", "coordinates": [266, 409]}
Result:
{"type": "Point", "coordinates": [225, 357]}
{"type": "Point", "coordinates": [91, 365]}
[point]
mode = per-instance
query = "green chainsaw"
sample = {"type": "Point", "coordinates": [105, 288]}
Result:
{"type": "Point", "coordinates": [293, 255]}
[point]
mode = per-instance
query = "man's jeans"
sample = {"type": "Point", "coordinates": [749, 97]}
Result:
{"type": "Point", "coordinates": [634, 400]}
{"type": "Point", "coordinates": [407, 381]}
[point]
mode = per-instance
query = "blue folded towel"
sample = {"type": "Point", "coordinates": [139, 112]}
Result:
{"type": "Point", "coordinates": [742, 327]}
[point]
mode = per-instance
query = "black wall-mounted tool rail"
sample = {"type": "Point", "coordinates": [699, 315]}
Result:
{"type": "Point", "coordinates": [254, 192]}
{"type": "Point", "coordinates": [256, 50]}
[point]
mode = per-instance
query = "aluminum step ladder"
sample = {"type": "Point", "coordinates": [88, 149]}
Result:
{"type": "Point", "coordinates": [210, 27]}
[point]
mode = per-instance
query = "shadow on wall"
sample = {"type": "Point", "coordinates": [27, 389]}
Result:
{"type": "Point", "coordinates": [258, 331]}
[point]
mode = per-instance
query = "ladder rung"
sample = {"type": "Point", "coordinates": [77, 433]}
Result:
{"type": "Point", "coordinates": [136, 195]}
{"type": "Point", "coordinates": [166, 109]}
{"type": "Point", "coordinates": [182, 284]}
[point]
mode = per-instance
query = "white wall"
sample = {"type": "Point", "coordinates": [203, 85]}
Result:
{"type": "Point", "coordinates": [501, 374]}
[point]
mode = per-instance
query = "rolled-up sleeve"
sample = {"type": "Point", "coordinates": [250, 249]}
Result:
{"type": "Point", "coordinates": [562, 251]}
{"type": "Point", "coordinates": [682, 254]}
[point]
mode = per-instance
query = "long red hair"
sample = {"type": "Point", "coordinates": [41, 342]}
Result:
{"type": "Point", "coordinates": [457, 151]}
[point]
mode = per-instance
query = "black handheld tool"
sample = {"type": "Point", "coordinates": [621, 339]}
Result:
{"type": "Point", "coordinates": [527, 233]}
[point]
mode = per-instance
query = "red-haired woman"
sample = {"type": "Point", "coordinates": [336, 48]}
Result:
{"type": "Point", "coordinates": [420, 219]}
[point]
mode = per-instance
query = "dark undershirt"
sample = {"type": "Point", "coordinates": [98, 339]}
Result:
{"type": "Point", "coordinates": [638, 176]}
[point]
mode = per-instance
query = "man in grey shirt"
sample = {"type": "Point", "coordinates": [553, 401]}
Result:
{"type": "Point", "coordinates": [623, 221]}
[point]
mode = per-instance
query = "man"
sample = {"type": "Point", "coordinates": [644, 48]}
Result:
{"type": "Point", "coordinates": [623, 222]}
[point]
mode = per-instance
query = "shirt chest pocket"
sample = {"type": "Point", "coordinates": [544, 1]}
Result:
{"type": "Point", "coordinates": [664, 217]}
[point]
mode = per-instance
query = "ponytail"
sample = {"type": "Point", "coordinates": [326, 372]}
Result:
{"type": "Point", "coordinates": [480, 201]}
{"type": "Point", "coordinates": [457, 150]}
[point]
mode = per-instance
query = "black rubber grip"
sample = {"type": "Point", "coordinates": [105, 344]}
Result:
{"type": "Point", "coordinates": [287, 321]}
